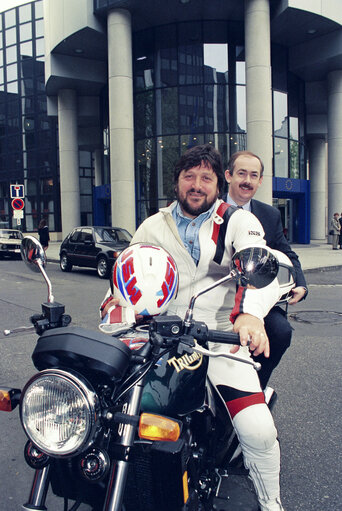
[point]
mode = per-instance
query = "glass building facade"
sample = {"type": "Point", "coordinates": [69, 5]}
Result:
{"type": "Point", "coordinates": [190, 88]}
{"type": "Point", "coordinates": [28, 136]}
{"type": "Point", "coordinates": [28, 142]}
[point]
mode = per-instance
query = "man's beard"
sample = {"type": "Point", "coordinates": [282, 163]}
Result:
{"type": "Point", "coordinates": [193, 210]}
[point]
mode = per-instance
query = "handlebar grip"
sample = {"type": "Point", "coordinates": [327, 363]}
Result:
{"type": "Point", "coordinates": [223, 337]}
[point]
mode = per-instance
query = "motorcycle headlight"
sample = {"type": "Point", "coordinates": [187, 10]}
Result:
{"type": "Point", "coordinates": [59, 412]}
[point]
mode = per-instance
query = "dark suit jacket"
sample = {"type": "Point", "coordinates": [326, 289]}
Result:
{"type": "Point", "coordinates": [270, 219]}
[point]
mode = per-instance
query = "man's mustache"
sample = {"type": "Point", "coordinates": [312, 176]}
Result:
{"type": "Point", "coordinates": [245, 185]}
{"type": "Point", "coordinates": [193, 190]}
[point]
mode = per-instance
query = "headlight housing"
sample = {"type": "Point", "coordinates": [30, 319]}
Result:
{"type": "Point", "coordinates": [59, 412]}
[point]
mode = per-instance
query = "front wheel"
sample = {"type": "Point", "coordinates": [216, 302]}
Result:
{"type": "Point", "coordinates": [102, 268]}
{"type": "Point", "coordinates": [64, 263]}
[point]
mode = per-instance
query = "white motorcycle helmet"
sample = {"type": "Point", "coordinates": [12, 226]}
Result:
{"type": "Point", "coordinates": [285, 276]}
{"type": "Point", "coordinates": [145, 278]}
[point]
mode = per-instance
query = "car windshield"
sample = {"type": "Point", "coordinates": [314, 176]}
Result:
{"type": "Point", "coordinates": [112, 234]}
{"type": "Point", "coordinates": [10, 235]}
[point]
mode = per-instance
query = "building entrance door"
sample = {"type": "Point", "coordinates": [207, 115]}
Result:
{"type": "Point", "coordinates": [286, 208]}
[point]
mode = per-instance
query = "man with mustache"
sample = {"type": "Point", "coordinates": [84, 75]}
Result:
{"type": "Point", "coordinates": [244, 175]}
{"type": "Point", "coordinates": [202, 233]}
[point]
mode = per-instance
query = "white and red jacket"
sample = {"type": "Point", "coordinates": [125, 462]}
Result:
{"type": "Point", "coordinates": [227, 231]}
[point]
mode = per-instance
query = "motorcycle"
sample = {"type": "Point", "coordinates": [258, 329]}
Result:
{"type": "Point", "coordinates": [128, 422]}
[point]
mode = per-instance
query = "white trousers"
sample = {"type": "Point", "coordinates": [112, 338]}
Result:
{"type": "Point", "coordinates": [239, 387]}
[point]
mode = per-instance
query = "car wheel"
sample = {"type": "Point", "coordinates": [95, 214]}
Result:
{"type": "Point", "coordinates": [102, 268]}
{"type": "Point", "coordinates": [65, 263]}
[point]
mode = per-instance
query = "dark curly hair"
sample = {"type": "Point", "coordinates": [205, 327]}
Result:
{"type": "Point", "coordinates": [206, 154]}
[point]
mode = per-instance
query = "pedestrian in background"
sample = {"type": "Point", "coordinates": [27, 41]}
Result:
{"type": "Point", "coordinates": [340, 241]}
{"type": "Point", "coordinates": [335, 230]}
{"type": "Point", "coordinates": [43, 232]}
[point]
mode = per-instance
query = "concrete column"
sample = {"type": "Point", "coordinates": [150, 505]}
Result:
{"type": "Point", "coordinates": [318, 166]}
{"type": "Point", "coordinates": [121, 129]}
{"type": "Point", "coordinates": [334, 144]}
{"type": "Point", "coordinates": [258, 89]}
{"type": "Point", "coordinates": [68, 160]}
{"type": "Point", "coordinates": [97, 167]}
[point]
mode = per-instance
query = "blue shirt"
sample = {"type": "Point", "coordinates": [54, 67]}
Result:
{"type": "Point", "coordinates": [188, 229]}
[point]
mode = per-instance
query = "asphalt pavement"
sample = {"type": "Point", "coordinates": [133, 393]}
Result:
{"type": "Point", "coordinates": [313, 256]}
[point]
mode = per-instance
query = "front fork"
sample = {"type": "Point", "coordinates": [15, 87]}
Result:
{"type": "Point", "coordinates": [39, 490]}
{"type": "Point", "coordinates": [119, 469]}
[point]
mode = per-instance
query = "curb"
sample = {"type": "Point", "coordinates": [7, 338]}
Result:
{"type": "Point", "coordinates": [323, 268]}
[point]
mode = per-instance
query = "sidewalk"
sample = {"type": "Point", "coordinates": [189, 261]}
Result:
{"type": "Point", "coordinates": [313, 256]}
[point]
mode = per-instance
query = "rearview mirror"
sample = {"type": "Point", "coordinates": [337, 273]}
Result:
{"type": "Point", "coordinates": [257, 267]}
{"type": "Point", "coordinates": [32, 253]}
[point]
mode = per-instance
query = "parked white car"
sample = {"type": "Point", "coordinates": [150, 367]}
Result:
{"type": "Point", "coordinates": [10, 241]}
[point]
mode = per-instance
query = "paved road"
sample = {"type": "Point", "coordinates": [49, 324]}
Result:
{"type": "Point", "coordinates": [308, 382]}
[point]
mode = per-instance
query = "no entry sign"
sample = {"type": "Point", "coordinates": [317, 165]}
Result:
{"type": "Point", "coordinates": [18, 203]}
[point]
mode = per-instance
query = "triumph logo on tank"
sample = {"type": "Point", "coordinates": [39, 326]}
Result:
{"type": "Point", "coordinates": [190, 362]}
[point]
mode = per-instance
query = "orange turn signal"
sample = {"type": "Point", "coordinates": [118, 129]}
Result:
{"type": "Point", "coordinates": [156, 427]}
{"type": "Point", "coordinates": [9, 398]}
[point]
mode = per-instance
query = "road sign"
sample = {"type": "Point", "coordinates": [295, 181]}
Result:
{"type": "Point", "coordinates": [18, 203]}
{"type": "Point", "coordinates": [18, 213]}
{"type": "Point", "coordinates": [17, 191]}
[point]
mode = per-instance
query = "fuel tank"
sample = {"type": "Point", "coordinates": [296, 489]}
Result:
{"type": "Point", "coordinates": [176, 386]}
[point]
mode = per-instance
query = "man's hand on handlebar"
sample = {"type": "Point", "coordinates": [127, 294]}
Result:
{"type": "Point", "coordinates": [251, 328]}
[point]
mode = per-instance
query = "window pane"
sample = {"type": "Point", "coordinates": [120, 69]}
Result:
{"type": "Point", "coordinates": [294, 159]}
{"type": "Point", "coordinates": [190, 140]}
{"type": "Point", "coordinates": [40, 46]}
{"type": "Point", "coordinates": [215, 63]}
{"type": "Point", "coordinates": [85, 186]}
{"type": "Point", "coordinates": [167, 155]}
{"type": "Point", "coordinates": [12, 72]}
{"type": "Point", "coordinates": [146, 178]}
{"type": "Point", "coordinates": [240, 67]}
{"type": "Point", "coordinates": [294, 128]}
{"type": "Point", "coordinates": [216, 108]}
{"type": "Point", "coordinates": [190, 54]}
{"type": "Point", "coordinates": [167, 111]}
{"type": "Point", "coordinates": [11, 54]}
{"type": "Point", "coordinates": [166, 66]}
{"type": "Point", "coordinates": [280, 113]}
{"type": "Point", "coordinates": [12, 87]}
{"type": "Point", "coordinates": [280, 157]}
{"type": "Point", "coordinates": [10, 36]}
{"type": "Point", "coordinates": [85, 158]}
{"type": "Point", "coordinates": [25, 31]}
{"type": "Point", "coordinates": [10, 18]}
{"type": "Point", "coordinates": [143, 60]}
{"type": "Point", "coordinates": [241, 123]}
{"type": "Point", "coordinates": [26, 50]}
{"type": "Point", "coordinates": [39, 9]}
{"type": "Point", "coordinates": [144, 115]}
{"type": "Point", "coordinates": [25, 13]}
{"type": "Point", "coordinates": [237, 142]}
{"type": "Point", "coordinates": [40, 28]}
{"type": "Point", "coordinates": [191, 114]}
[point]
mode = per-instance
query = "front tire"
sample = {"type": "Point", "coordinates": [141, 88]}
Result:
{"type": "Point", "coordinates": [64, 263]}
{"type": "Point", "coordinates": [102, 268]}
